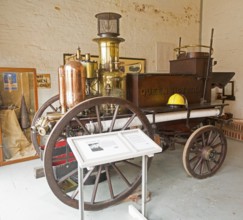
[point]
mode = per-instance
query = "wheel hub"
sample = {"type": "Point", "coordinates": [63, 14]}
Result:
{"type": "Point", "coordinates": [208, 153]}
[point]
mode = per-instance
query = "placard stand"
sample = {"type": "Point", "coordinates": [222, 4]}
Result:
{"type": "Point", "coordinates": [123, 145]}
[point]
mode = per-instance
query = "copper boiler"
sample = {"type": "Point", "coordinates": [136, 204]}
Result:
{"type": "Point", "coordinates": [72, 84]}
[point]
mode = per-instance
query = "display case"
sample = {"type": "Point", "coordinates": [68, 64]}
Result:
{"type": "Point", "coordinates": [18, 104]}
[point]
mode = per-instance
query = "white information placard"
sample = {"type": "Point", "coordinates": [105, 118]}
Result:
{"type": "Point", "coordinates": [97, 149]}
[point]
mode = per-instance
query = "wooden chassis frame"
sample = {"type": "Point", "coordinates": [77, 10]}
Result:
{"type": "Point", "coordinates": [19, 70]}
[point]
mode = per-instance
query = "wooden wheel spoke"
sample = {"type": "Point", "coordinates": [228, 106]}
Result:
{"type": "Point", "coordinates": [121, 174]}
{"type": "Point", "coordinates": [216, 145]}
{"type": "Point", "coordinates": [53, 108]}
{"type": "Point", "coordinates": [87, 175]}
{"type": "Point", "coordinates": [194, 150]}
{"type": "Point", "coordinates": [205, 168]}
{"type": "Point", "coordinates": [198, 144]}
{"type": "Point", "coordinates": [215, 161]}
{"type": "Point", "coordinates": [129, 121]}
{"type": "Point", "coordinates": [193, 159]}
{"type": "Point", "coordinates": [209, 137]}
{"type": "Point", "coordinates": [198, 163]}
{"type": "Point", "coordinates": [214, 139]}
{"type": "Point", "coordinates": [67, 175]}
{"type": "Point", "coordinates": [82, 125]}
{"type": "Point", "coordinates": [75, 193]}
{"type": "Point", "coordinates": [132, 164]}
{"type": "Point", "coordinates": [114, 118]}
{"type": "Point", "coordinates": [203, 140]}
{"type": "Point", "coordinates": [218, 153]}
{"type": "Point", "coordinates": [96, 185]}
{"type": "Point", "coordinates": [109, 181]}
{"type": "Point", "coordinates": [208, 165]}
{"type": "Point", "coordinates": [97, 110]}
{"type": "Point", "coordinates": [202, 167]}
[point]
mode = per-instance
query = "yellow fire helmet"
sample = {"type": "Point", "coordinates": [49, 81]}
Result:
{"type": "Point", "coordinates": [177, 100]}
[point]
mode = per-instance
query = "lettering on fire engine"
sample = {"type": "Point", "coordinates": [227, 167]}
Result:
{"type": "Point", "coordinates": [168, 91]}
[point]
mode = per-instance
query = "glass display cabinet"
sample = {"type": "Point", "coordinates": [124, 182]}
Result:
{"type": "Point", "coordinates": [18, 104]}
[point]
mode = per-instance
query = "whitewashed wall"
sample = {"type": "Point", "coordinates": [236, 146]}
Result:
{"type": "Point", "coordinates": [226, 18]}
{"type": "Point", "coordinates": [36, 33]}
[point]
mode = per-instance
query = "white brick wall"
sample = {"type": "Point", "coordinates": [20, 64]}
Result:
{"type": "Point", "coordinates": [36, 33]}
{"type": "Point", "coordinates": [226, 18]}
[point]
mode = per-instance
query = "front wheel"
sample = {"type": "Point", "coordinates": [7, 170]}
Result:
{"type": "Point", "coordinates": [204, 152]}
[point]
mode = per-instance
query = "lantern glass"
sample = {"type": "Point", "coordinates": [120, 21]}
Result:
{"type": "Point", "coordinates": [108, 24]}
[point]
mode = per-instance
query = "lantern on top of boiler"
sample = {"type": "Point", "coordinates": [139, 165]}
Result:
{"type": "Point", "coordinates": [111, 79]}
